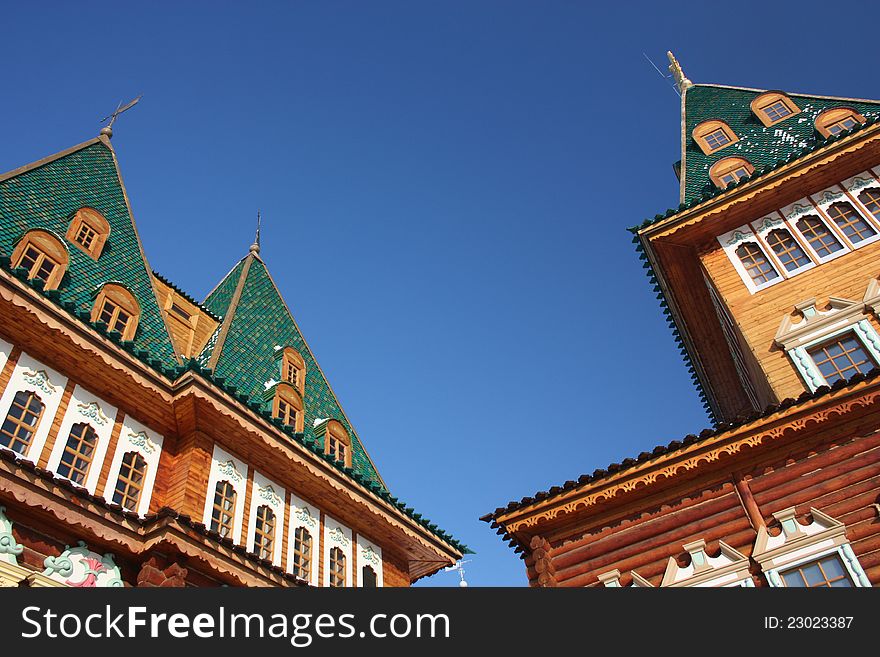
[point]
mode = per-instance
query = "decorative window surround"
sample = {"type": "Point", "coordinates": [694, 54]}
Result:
{"type": "Point", "coordinates": [303, 514]}
{"type": "Point", "coordinates": [764, 226]}
{"type": "Point", "coordinates": [225, 467]}
{"type": "Point", "coordinates": [9, 549]}
{"type": "Point", "coordinates": [369, 554]}
{"type": "Point", "coordinates": [818, 326]}
{"type": "Point", "coordinates": [837, 193]}
{"type": "Point", "coordinates": [85, 407]}
{"type": "Point", "coordinates": [81, 568]}
{"type": "Point", "coordinates": [797, 544]}
{"type": "Point", "coordinates": [135, 437]}
{"type": "Point", "coordinates": [266, 492]}
{"type": "Point", "coordinates": [336, 535]}
{"type": "Point", "coordinates": [731, 241]}
{"type": "Point", "coordinates": [5, 350]}
{"type": "Point", "coordinates": [805, 208]}
{"type": "Point", "coordinates": [31, 375]}
{"type": "Point", "coordinates": [611, 580]}
{"type": "Point", "coordinates": [730, 568]}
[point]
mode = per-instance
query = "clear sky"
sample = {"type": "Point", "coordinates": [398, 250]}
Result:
{"type": "Point", "coordinates": [445, 190]}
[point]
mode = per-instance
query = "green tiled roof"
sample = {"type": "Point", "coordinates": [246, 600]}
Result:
{"type": "Point", "coordinates": [258, 323]}
{"type": "Point", "coordinates": [762, 146]}
{"type": "Point", "coordinates": [46, 197]}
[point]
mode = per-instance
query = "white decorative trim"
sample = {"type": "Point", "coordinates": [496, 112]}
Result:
{"type": "Point", "coordinates": [135, 437]}
{"type": "Point", "coordinates": [797, 211]}
{"type": "Point", "coordinates": [85, 407]}
{"type": "Point", "coordinates": [79, 567]}
{"type": "Point", "coordinates": [225, 467]}
{"type": "Point", "coordinates": [303, 514]}
{"type": "Point", "coordinates": [729, 568]}
{"type": "Point", "coordinates": [730, 241]}
{"type": "Point", "coordinates": [834, 194]}
{"type": "Point", "coordinates": [797, 544]}
{"type": "Point", "coordinates": [9, 548]}
{"type": "Point", "coordinates": [369, 554]}
{"type": "Point", "coordinates": [336, 535]}
{"type": "Point", "coordinates": [266, 492]}
{"type": "Point", "coordinates": [774, 221]}
{"type": "Point", "coordinates": [611, 580]}
{"type": "Point", "coordinates": [5, 351]}
{"type": "Point", "coordinates": [20, 380]}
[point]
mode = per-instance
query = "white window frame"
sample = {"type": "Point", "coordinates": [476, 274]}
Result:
{"type": "Point", "coordinates": [799, 209]}
{"type": "Point", "coordinates": [730, 568]}
{"type": "Point", "coordinates": [31, 375]}
{"type": "Point", "coordinates": [799, 544]}
{"type": "Point", "coordinates": [337, 535]}
{"type": "Point", "coordinates": [767, 225]}
{"type": "Point", "coordinates": [806, 366]}
{"type": "Point", "coordinates": [369, 554]}
{"type": "Point", "coordinates": [836, 193]}
{"type": "Point", "coordinates": [226, 467]}
{"type": "Point", "coordinates": [135, 437]}
{"type": "Point", "coordinates": [303, 514]}
{"type": "Point", "coordinates": [265, 492]}
{"type": "Point", "coordinates": [855, 186]}
{"type": "Point", "coordinates": [732, 240]}
{"type": "Point", "coordinates": [85, 407]}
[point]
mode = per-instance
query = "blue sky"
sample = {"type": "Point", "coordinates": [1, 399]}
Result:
{"type": "Point", "coordinates": [445, 190]}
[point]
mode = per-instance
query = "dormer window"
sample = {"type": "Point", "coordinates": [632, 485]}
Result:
{"type": "Point", "coordinates": [293, 369]}
{"type": "Point", "coordinates": [773, 107]}
{"type": "Point", "coordinates": [88, 231]}
{"type": "Point", "coordinates": [118, 309]}
{"type": "Point", "coordinates": [337, 442]}
{"type": "Point", "coordinates": [44, 257]}
{"type": "Point", "coordinates": [288, 406]}
{"type": "Point", "coordinates": [837, 121]}
{"type": "Point", "coordinates": [730, 170]}
{"type": "Point", "coordinates": [712, 136]}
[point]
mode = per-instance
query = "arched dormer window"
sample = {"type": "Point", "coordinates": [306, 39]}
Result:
{"type": "Point", "coordinates": [288, 407]}
{"type": "Point", "coordinates": [293, 369]}
{"type": "Point", "coordinates": [43, 255]}
{"type": "Point", "coordinates": [118, 309]}
{"type": "Point", "coordinates": [337, 442]}
{"type": "Point", "coordinates": [711, 136]}
{"type": "Point", "coordinates": [88, 231]}
{"type": "Point", "coordinates": [835, 121]}
{"type": "Point", "coordinates": [773, 107]}
{"type": "Point", "coordinates": [730, 170]}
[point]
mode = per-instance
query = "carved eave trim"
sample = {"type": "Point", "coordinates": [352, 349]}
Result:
{"type": "Point", "coordinates": [668, 467]}
{"type": "Point", "coordinates": [275, 439]}
{"type": "Point", "coordinates": [760, 185]}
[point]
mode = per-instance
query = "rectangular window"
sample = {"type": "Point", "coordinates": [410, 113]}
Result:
{"type": "Point", "coordinates": [21, 422]}
{"type": "Point", "coordinates": [78, 453]}
{"type": "Point", "coordinates": [825, 572]}
{"type": "Point", "coordinates": [181, 312]}
{"type": "Point", "coordinates": [717, 139]}
{"type": "Point", "coordinates": [841, 358]}
{"type": "Point", "coordinates": [776, 111]}
{"type": "Point", "coordinates": [842, 126]}
{"type": "Point", "coordinates": [85, 236]}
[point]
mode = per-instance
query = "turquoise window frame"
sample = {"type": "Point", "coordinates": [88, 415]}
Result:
{"type": "Point", "coordinates": [805, 365]}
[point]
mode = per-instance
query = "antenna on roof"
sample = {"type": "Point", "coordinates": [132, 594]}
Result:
{"type": "Point", "coordinates": [255, 247]}
{"type": "Point", "coordinates": [662, 74]}
{"type": "Point", "coordinates": [107, 130]}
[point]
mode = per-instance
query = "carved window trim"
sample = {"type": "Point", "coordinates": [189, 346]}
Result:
{"type": "Point", "coordinates": [733, 240]}
{"type": "Point", "coordinates": [798, 544]}
{"type": "Point", "coordinates": [48, 249]}
{"type": "Point", "coordinates": [19, 422]}
{"type": "Point", "coordinates": [729, 569]}
{"type": "Point", "coordinates": [704, 130]}
{"type": "Point", "coordinates": [116, 299]}
{"type": "Point", "coordinates": [761, 105]}
{"type": "Point", "coordinates": [89, 219]}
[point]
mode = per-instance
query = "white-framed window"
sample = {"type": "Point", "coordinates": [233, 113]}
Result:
{"type": "Point", "coordinates": [225, 495]}
{"type": "Point", "coordinates": [337, 553]}
{"type": "Point", "coordinates": [817, 554]}
{"type": "Point", "coordinates": [303, 550]}
{"type": "Point", "coordinates": [611, 580]}
{"type": "Point", "coordinates": [730, 568]}
{"type": "Point", "coordinates": [816, 232]}
{"type": "Point", "coordinates": [757, 269]}
{"type": "Point", "coordinates": [848, 215]}
{"type": "Point", "coordinates": [266, 519]}
{"type": "Point", "coordinates": [82, 440]}
{"type": "Point", "coordinates": [131, 479]}
{"type": "Point", "coordinates": [783, 244]}
{"type": "Point", "coordinates": [31, 386]}
{"type": "Point", "coordinates": [369, 563]}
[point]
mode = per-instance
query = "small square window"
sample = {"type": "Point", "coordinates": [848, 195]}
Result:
{"type": "Point", "coordinates": [716, 139]}
{"type": "Point", "coordinates": [776, 111]}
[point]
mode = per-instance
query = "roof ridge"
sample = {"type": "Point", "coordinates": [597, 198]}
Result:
{"type": "Point", "coordinates": [187, 296]}
{"type": "Point", "coordinates": [55, 156]}
{"type": "Point", "coordinates": [230, 312]}
{"type": "Point", "coordinates": [789, 93]}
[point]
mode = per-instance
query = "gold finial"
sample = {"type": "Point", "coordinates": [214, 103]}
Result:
{"type": "Point", "coordinates": [681, 80]}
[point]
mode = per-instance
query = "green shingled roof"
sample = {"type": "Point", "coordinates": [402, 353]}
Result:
{"type": "Point", "coordinates": [46, 195]}
{"type": "Point", "coordinates": [760, 145]}
{"type": "Point", "coordinates": [256, 324]}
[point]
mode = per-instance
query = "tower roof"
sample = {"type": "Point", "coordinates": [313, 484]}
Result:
{"type": "Point", "coordinates": [256, 325]}
{"type": "Point", "coordinates": [763, 146]}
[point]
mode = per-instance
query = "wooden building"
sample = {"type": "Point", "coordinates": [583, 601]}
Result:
{"type": "Point", "coordinates": [769, 273]}
{"type": "Point", "coordinates": [152, 440]}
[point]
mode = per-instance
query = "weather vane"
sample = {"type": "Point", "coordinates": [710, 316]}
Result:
{"type": "Point", "coordinates": [458, 567]}
{"type": "Point", "coordinates": [108, 129]}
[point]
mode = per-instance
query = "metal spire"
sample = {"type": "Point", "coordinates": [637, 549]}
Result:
{"type": "Point", "coordinates": [681, 80]}
{"type": "Point", "coordinates": [107, 130]}
{"type": "Point", "coordinates": [255, 247]}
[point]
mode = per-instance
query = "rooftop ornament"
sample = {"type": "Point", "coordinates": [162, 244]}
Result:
{"type": "Point", "coordinates": [107, 130]}
{"type": "Point", "coordinates": [681, 80]}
